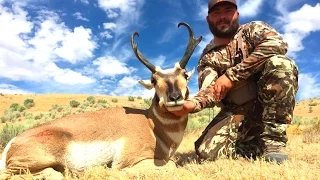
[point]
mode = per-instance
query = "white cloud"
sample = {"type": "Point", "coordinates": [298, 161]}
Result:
{"type": "Point", "coordinates": [203, 12]}
{"type": "Point", "coordinates": [298, 25]}
{"type": "Point", "coordinates": [106, 34]}
{"type": "Point", "coordinates": [11, 89]}
{"type": "Point", "coordinates": [283, 6]}
{"type": "Point", "coordinates": [129, 86]}
{"type": "Point", "coordinates": [128, 82]}
{"type": "Point", "coordinates": [110, 66]}
{"type": "Point", "coordinates": [126, 85]}
{"type": "Point", "coordinates": [205, 40]}
{"type": "Point", "coordinates": [109, 25]}
{"type": "Point", "coordinates": [111, 13]}
{"type": "Point", "coordinates": [309, 86]}
{"type": "Point", "coordinates": [249, 8]}
{"type": "Point", "coordinates": [147, 93]}
{"type": "Point", "coordinates": [79, 16]}
{"type": "Point", "coordinates": [83, 1]}
{"type": "Point", "coordinates": [169, 33]}
{"type": "Point", "coordinates": [76, 46]}
{"type": "Point", "coordinates": [29, 47]}
{"type": "Point", "coordinates": [13, 25]}
{"type": "Point", "coordinates": [158, 61]}
{"type": "Point", "coordinates": [123, 5]}
{"type": "Point", "coordinates": [125, 12]}
{"type": "Point", "coordinates": [70, 77]}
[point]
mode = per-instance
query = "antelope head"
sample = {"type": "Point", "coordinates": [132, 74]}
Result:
{"type": "Point", "coordinates": [171, 84]}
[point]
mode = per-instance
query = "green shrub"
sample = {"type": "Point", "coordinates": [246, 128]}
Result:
{"type": "Point", "coordinates": [297, 120]}
{"type": "Point", "coordinates": [57, 107]}
{"type": "Point", "coordinates": [21, 108]}
{"type": "Point", "coordinates": [10, 131]}
{"type": "Point", "coordinates": [115, 100]}
{"type": "Point", "coordinates": [16, 114]}
{"type": "Point", "coordinates": [102, 106]}
{"type": "Point", "coordinates": [30, 123]}
{"type": "Point", "coordinates": [86, 103]}
{"type": "Point", "coordinates": [38, 116]}
{"type": "Point", "coordinates": [91, 99]}
{"type": "Point", "coordinates": [29, 115]}
{"type": "Point", "coordinates": [313, 104]}
{"type": "Point", "coordinates": [67, 111]}
{"type": "Point", "coordinates": [17, 107]}
{"type": "Point", "coordinates": [53, 114]}
{"type": "Point", "coordinates": [310, 109]}
{"type": "Point", "coordinates": [205, 120]}
{"type": "Point", "coordinates": [195, 125]}
{"type": "Point", "coordinates": [102, 101]}
{"type": "Point", "coordinates": [74, 103]}
{"type": "Point", "coordinates": [10, 115]}
{"type": "Point", "coordinates": [304, 121]}
{"type": "Point", "coordinates": [28, 103]}
{"type": "Point", "coordinates": [139, 97]}
{"type": "Point", "coordinates": [131, 98]}
{"type": "Point", "coordinates": [80, 111]}
{"type": "Point", "coordinates": [3, 119]}
{"type": "Point", "coordinates": [147, 102]}
{"type": "Point", "coordinates": [14, 106]}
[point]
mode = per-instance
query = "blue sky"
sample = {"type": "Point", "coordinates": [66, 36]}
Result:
{"type": "Point", "coordinates": [82, 46]}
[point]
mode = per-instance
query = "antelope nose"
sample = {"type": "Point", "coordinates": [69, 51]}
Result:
{"type": "Point", "coordinates": [174, 97]}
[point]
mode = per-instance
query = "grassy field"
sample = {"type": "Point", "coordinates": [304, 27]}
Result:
{"type": "Point", "coordinates": [303, 146]}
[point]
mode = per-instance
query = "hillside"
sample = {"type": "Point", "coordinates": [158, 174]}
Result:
{"type": "Point", "coordinates": [303, 146]}
{"type": "Point", "coordinates": [43, 102]}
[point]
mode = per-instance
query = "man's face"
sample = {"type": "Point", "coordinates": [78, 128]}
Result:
{"type": "Point", "coordinates": [223, 20]}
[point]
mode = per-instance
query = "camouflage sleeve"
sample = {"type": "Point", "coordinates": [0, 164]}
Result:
{"type": "Point", "coordinates": [207, 75]}
{"type": "Point", "coordinates": [267, 42]}
{"type": "Point", "coordinates": [204, 98]}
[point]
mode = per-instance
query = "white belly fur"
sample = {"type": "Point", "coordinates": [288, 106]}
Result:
{"type": "Point", "coordinates": [83, 155]}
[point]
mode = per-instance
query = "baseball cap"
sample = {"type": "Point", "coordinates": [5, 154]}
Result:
{"type": "Point", "coordinates": [213, 3]}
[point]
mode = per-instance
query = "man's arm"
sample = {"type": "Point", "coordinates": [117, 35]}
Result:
{"type": "Point", "coordinates": [267, 42]}
{"type": "Point", "coordinates": [207, 75]}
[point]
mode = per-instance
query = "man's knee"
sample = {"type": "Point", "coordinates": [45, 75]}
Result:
{"type": "Point", "coordinates": [277, 88]}
{"type": "Point", "coordinates": [280, 63]}
{"type": "Point", "coordinates": [218, 141]}
{"type": "Point", "coordinates": [279, 79]}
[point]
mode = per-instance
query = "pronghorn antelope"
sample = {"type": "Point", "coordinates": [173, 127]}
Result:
{"type": "Point", "coordinates": [115, 137]}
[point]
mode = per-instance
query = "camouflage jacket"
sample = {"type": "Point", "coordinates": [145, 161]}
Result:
{"type": "Point", "coordinates": [260, 42]}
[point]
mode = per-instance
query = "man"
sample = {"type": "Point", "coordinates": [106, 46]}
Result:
{"type": "Point", "coordinates": [244, 68]}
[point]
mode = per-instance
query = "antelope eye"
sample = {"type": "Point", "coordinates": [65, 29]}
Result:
{"type": "Point", "coordinates": [185, 75]}
{"type": "Point", "coordinates": [153, 81]}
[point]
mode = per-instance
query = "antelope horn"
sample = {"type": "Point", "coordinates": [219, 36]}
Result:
{"type": "Point", "coordinates": [191, 46]}
{"type": "Point", "coordinates": [141, 58]}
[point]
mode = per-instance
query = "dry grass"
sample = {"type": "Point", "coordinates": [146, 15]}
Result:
{"type": "Point", "coordinates": [303, 148]}
{"type": "Point", "coordinates": [303, 164]}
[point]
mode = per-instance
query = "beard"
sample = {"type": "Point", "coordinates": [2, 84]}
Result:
{"type": "Point", "coordinates": [226, 32]}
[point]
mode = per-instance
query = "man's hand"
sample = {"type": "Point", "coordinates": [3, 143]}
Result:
{"type": "Point", "coordinates": [188, 107]}
{"type": "Point", "coordinates": [222, 86]}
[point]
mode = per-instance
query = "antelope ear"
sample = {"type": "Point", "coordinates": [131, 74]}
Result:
{"type": "Point", "coordinates": [146, 83]}
{"type": "Point", "coordinates": [189, 74]}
